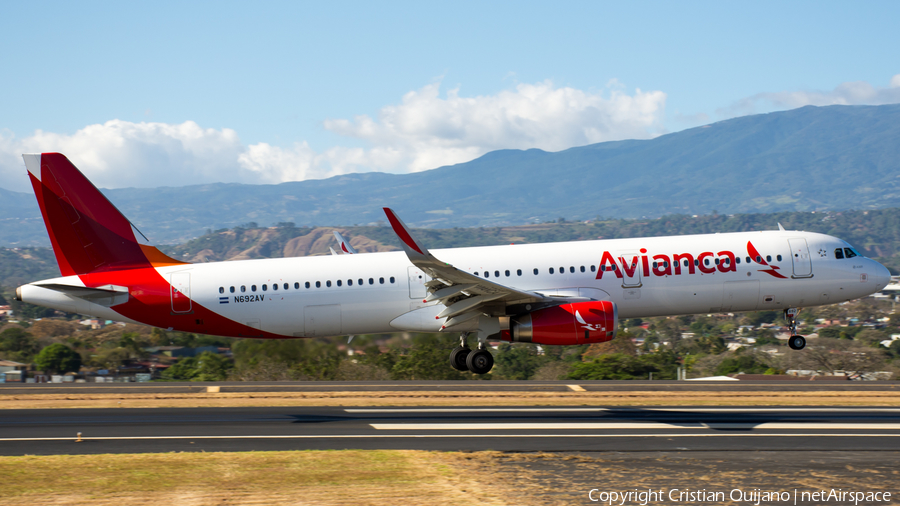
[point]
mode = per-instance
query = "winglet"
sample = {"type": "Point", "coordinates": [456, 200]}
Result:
{"type": "Point", "coordinates": [409, 244]}
{"type": "Point", "coordinates": [344, 243]}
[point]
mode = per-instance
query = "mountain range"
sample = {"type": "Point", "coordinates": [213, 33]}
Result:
{"type": "Point", "coordinates": [811, 158]}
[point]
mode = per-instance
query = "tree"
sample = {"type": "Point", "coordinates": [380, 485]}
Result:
{"type": "Point", "coordinates": [426, 359]}
{"type": "Point", "coordinates": [616, 366]}
{"type": "Point", "coordinates": [17, 344]}
{"type": "Point", "coordinates": [518, 362]}
{"type": "Point", "coordinates": [207, 366]}
{"type": "Point", "coordinates": [58, 358]}
{"type": "Point", "coordinates": [745, 363]}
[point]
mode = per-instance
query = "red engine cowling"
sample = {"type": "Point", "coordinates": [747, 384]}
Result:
{"type": "Point", "coordinates": [568, 324]}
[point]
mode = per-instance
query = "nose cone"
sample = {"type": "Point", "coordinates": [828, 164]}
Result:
{"type": "Point", "coordinates": [881, 276]}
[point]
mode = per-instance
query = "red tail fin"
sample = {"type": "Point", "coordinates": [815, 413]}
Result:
{"type": "Point", "coordinates": [87, 232]}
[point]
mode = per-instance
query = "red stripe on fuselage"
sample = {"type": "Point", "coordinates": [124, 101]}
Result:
{"type": "Point", "coordinates": [150, 303]}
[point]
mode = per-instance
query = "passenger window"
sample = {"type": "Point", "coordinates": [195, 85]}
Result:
{"type": "Point", "coordinates": [705, 261]}
{"type": "Point", "coordinates": [582, 268]}
{"type": "Point", "coordinates": [243, 288]}
{"type": "Point", "coordinates": [717, 262]}
{"type": "Point", "coordinates": [749, 260]}
{"type": "Point", "coordinates": [381, 280]}
{"type": "Point", "coordinates": [738, 260]}
{"type": "Point", "coordinates": [758, 259]}
{"type": "Point", "coordinates": [328, 283]}
{"type": "Point", "coordinates": [535, 272]}
{"type": "Point", "coordinates": [768, 258]}
{"type": "Point", "coordinates": [274, 286]}
{"type": "Point", "coordinates": [221, 289]}
{"type": "Point", "coordinates": [507, 273]}
{"type": "Point", "coordinates": [307, 285]}
{"type": "Point", "coordinates": [360, 282]}
{"type": "Point", "coordinates": [778, 258]}
{"type": "Point", "coordinates": [696, 261]}
{"type": "Point", "coordinates": [850, 253]}
{"type": "Point", "coordinates": [371, 281]}
{"type": "Point", "coordinates": [392, 279]}
{"type": "Point", "coordinates": [654, 265]}
{"type": "Point", "coordinates": [496, 274]}
{"type": "Point", "coordinates": [562, 270]}
{"type": "Point", "coordinates": [286, 286]}
{"type": "Point", "coordinates": [518, 272]}
{"type": "Point", "coordinates": [231, 289]}
{"type": "Point", "coordinates": [339, 283]}
{"type": "Point", "coordinates": [318, 284]}
{"type": "Point", "coordinates": [593, 268]}
{"type": "Point", "coordinates": [297, 285]}
{"type": "Point", "coordinates": [487, 274]}
{"type": "Point", "coordinates": [551, 270]}
{"type": "Point", "coordinates": [349, 282]}
{"type": "Point", "coordinates": [265, 287]}
{"type": "Point", "coordinates": [252, 288]}
{"type": "Point", "coordinates": [572, 269]}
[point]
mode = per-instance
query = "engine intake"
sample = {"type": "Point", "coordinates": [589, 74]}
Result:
{"type": "Point", "coordinates": [568, 324]}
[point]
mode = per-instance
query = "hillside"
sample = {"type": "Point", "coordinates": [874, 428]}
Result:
{"type": "Point", "coordinates": [812, 158]}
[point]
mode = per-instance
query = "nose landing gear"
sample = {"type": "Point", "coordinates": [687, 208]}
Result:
{"type": "Point", "coordinates": [795, 342]}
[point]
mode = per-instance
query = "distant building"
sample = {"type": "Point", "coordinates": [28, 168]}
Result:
{"type": "Point", "coordinates": [12, 372]}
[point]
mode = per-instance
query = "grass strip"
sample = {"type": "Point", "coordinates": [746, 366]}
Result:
{"type": "Point", "coordinates": [290, 477]}
{"type": "Point", "coordinates": [439, 398]}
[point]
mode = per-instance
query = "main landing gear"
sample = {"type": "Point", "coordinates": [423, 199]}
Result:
{"type": "Point", "coordinates": [479, 361]}
{"type": "Point", "coordinates": [795, 342]}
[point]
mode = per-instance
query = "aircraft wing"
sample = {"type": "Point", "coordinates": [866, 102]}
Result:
{"type": "Point", "coordinates": [465, 295]}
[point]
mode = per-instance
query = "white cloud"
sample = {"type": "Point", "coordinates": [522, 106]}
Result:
{"type": "Point", "coordinates": [849, 93]}
{"type": "Point", "coordinates": [426, 130]}
{"type": "Point", "coordinates": [423, 131]}
{"type": "Point", "coordinates": [121, 154]}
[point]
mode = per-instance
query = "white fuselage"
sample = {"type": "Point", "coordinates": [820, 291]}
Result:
{"type": "Point", "coordinates": [391, 286]}
{"type": "Point", "coordinates": [384, 292]}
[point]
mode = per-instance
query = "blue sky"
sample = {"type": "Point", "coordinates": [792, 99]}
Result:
{"type": "Point", "coordinates": [170, 93]}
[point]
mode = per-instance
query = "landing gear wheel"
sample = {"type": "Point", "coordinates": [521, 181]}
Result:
{"type": "Point", "coordinates": [797, 342]}
{"type": "Point", "coordinates": [458, 358]}
{"type": "Point", "coordinates": [480, 361]}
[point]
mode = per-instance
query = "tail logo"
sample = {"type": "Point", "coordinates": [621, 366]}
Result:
{"type": "Point", "coordinates": [587, 326]}
{"type": "Point", "coordinates": [756, 257]}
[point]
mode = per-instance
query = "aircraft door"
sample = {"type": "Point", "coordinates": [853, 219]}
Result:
{"type": "Point", "coordinates": [417, 280]}
{"type": "Point", "coordinates": [630, 267]}
{"type": "Point", "coordinates": [800, 258]}
{"type": "Point", "coordinates": [180, 292]}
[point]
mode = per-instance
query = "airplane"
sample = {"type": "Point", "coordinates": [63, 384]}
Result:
{"type": "Point", "coordinates": [568, 293]}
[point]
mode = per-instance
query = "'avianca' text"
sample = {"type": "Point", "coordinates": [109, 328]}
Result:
{"type": "Point", "coordinates": [706, 262]}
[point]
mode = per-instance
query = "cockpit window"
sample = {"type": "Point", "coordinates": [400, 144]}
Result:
{"type": "Point", "coordinates": [838, 253]}
{"type": "Point", "coordinates": [850, 253]}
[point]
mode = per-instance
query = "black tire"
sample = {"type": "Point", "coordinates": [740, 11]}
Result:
{"type": "Point", "coordinates": [458, 358]}
{"type": "Point", "coordinates": [480, 361]}
{"type": "Point", "coordinates": [797, 342]}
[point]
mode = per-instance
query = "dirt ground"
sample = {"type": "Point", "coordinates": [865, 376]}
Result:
{"type": "Point", "coordinates": [438, 398]}
{"type": "Point", "coordinates": [431, 478]}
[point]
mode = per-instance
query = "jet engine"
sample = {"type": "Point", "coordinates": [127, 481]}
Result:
{"type": "Point", "coordinates": [567, 324]}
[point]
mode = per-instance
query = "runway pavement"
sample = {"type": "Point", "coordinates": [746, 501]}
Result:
{"type": "Point", "coordinates": [511, 429]}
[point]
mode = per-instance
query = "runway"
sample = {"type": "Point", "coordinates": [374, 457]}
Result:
{"type": "Point", "coordinates": [509, 429]}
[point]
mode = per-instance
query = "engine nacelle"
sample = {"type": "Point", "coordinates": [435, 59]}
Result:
{"type": "Point", "coordinates": [568, 324]}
